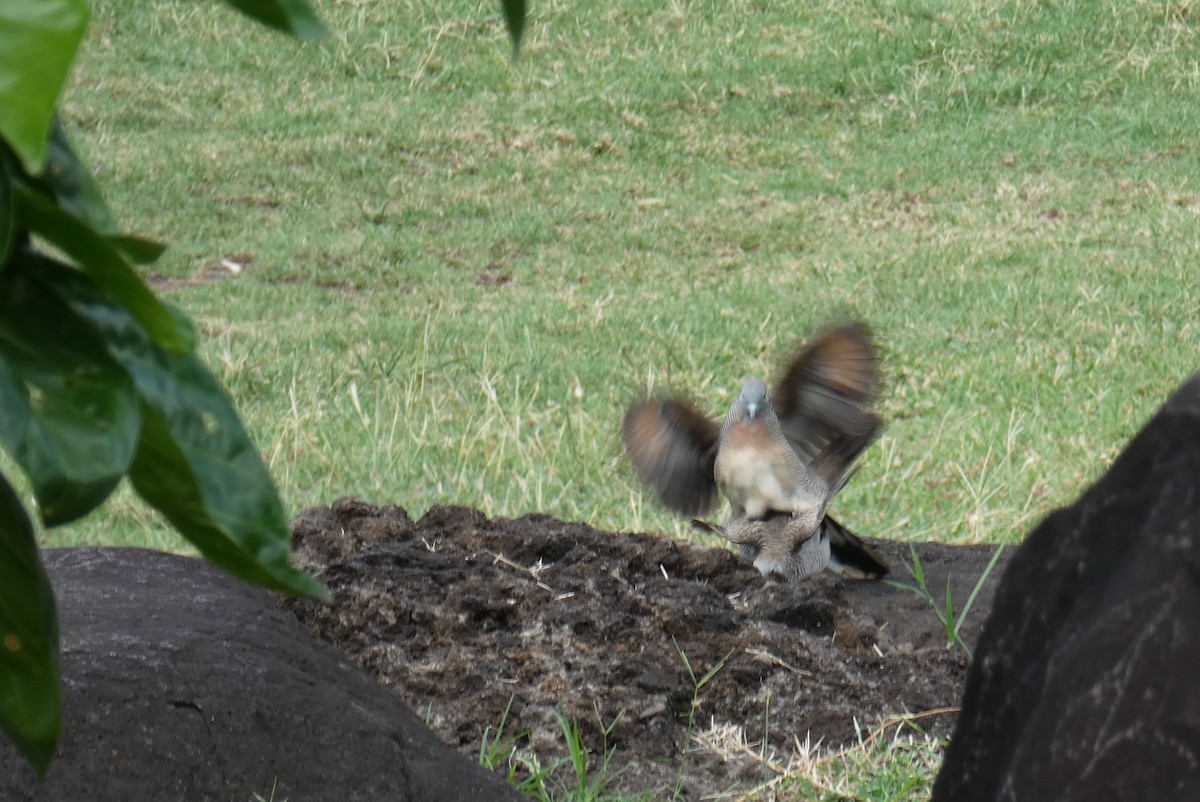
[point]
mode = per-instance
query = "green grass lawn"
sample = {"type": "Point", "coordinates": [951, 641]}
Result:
{"type": "Point", "coordinates": [459, 269]}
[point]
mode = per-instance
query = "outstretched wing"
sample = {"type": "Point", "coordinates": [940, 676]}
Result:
{"type": "Point", "coordinates": [674, 448]}
{"type": "Point", "coordinates": [823, 400]}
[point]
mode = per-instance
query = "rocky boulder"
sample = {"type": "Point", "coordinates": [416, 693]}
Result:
{"type": "Point", "coordinates": [1085, 684]}
{"type": "Point", "coordinates": [182, 683]}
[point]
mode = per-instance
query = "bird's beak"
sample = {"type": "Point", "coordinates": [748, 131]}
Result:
{"type": "Point", "coordinates": [752, 410]}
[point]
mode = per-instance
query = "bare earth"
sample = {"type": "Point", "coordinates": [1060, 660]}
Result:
{"type": "Point", "coordinates": [459, 613]}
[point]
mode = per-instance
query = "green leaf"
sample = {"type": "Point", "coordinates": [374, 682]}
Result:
{"type": "Point", "coordinates": [194, 461]}
{"type": "Point", "coordinates": [107, 265]}
{"type": "Point", "coordinates": [514, 15]}
{"type": "Point", "coordinates": [70, 184]}
{"type": "Point", "coordinates": [197, 467]}
{"type": "Point", "coordinates": [8, 212]}
{"type": "Point", "coordinates": [30, 694]}
{"type": "Point", "coordinates": [139, 250]}
{"type": "Point", "coordinates": [69, 414]}
{"type": "Point", "coordinates": [38, 42]}
{"type": "Point", "coordinates": [294, 17]}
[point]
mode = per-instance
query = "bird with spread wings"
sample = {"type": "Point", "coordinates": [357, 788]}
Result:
{"type": "Point", "coordinates": [779, 458]}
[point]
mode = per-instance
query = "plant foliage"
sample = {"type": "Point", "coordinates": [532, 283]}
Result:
{"type": "Point", "coordinates": [98, 377]}
{"type": "Point", "coordinates": [99, 380]}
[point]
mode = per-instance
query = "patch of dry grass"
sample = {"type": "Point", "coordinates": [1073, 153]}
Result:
{"type": "Point", "coordinates": [896, 761]}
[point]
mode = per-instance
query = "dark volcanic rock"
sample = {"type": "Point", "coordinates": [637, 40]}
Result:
{"type": "Point", "coordinates": [182, 683]}
{"type": "Point", "coordinates": [1086, 683]}
{"type": "Point", "coordinates": [460, 614]}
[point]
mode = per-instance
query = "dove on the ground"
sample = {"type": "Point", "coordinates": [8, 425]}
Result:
{"type": "Point", "coordinates": [781, 548]}
{"type": "Point", "coordinates": [784, 455]}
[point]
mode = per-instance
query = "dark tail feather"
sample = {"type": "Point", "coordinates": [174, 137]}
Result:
{"type": "Point", "coordinates": [849, 556]}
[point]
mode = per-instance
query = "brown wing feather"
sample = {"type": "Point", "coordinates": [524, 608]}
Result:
{"type": "Point", "coordinates": [841, 451]}
{"type": "Point", "coordinates": [824, 397]}
{"type": "Point", "coordinates": [833, 379]}
{"type": "Point", "coordinates": [673, 447]}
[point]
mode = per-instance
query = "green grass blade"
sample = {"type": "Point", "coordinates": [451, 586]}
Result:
{"type": "Point", "coordinates": [576, 750]}
{"type": "Point", "coordinates": [948, 618]}
{"type": "Point", "coordinates": [687, 664]}
{"type": "Point", "coordinates": [917, 571]}
{"type": "Point", "coordinates": [712, 672]}
{"type": "Point", "coordinates": [979, 586]}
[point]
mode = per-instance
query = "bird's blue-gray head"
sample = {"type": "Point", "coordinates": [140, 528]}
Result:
{"type": "Point", "coordinates": [754, 400]}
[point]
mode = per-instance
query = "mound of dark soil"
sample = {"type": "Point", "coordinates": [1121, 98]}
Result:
{"type": "Point", "coordinates": [459, 614]}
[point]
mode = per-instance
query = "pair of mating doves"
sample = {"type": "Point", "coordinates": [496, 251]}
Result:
{"type": "Point", "coordinates": [779, 458]}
